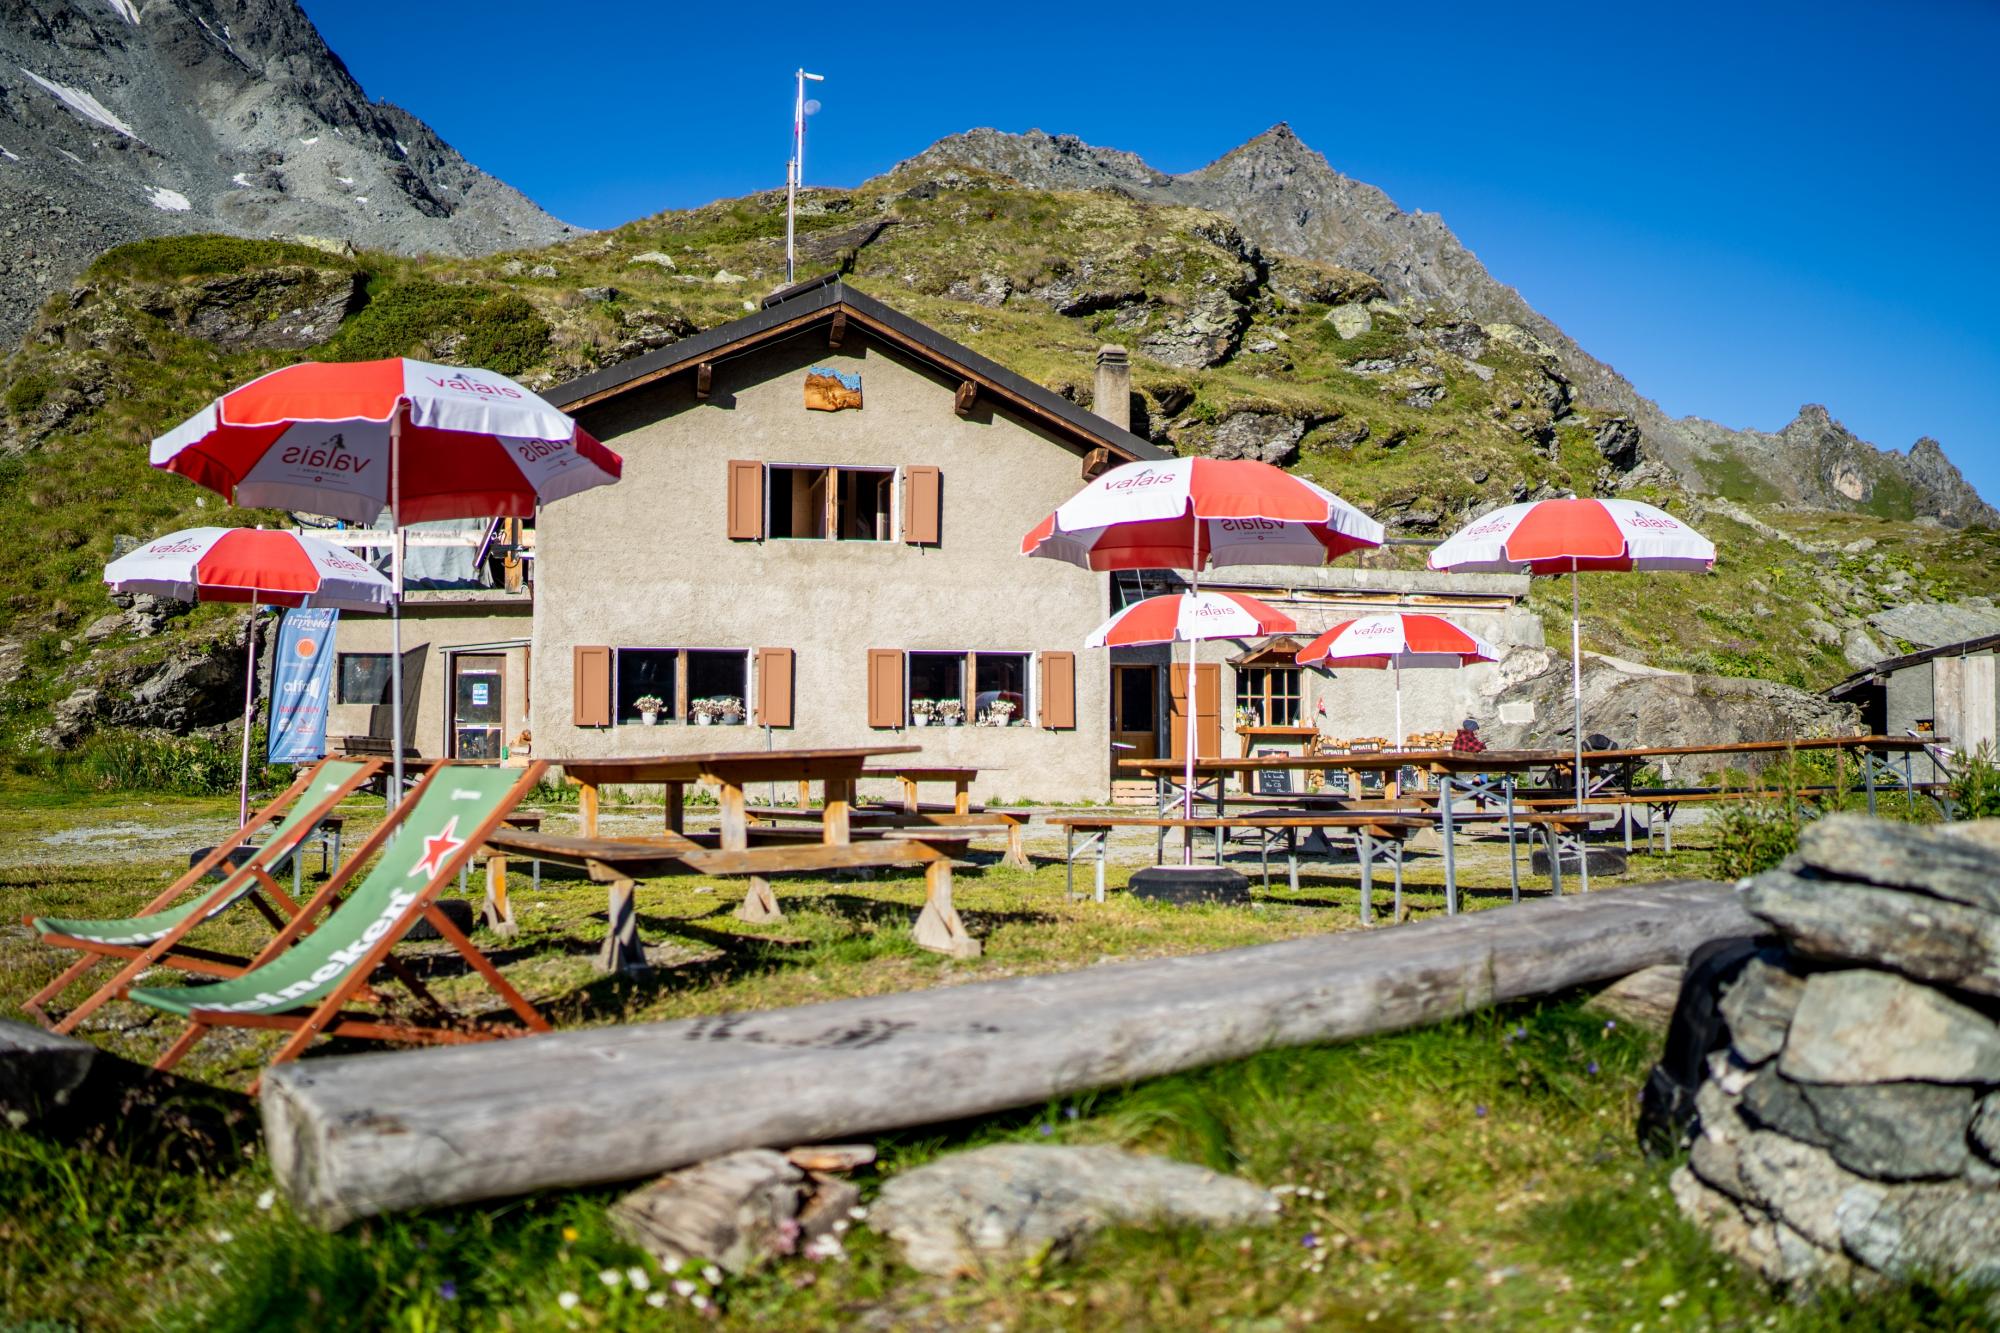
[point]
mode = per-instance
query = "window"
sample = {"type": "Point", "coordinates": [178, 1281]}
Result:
{"type": "Point", "coordinates": [646, 673]}
{"type": "Point", "coordinates": [999, 696]}
{"type": "Point", "coordinates": [690, 684]}
{"type": "Point", "coordinates": [1267, 696]}
{"type": "Point", "coordinates": [1000, 689]}
{"type": "Point", "coordinates": [364, 678]}
{"type": "Point", "coordinates": [937, 688]}
{"type": "Point", "coordinates": [1133, 698]}
{"type": "Point", "coordinates": [836, 503]}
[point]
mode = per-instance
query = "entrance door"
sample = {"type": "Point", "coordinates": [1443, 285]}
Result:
{"type": "Point", "coordinates": [1135, 722]}
{"type": "Point", "coordinates": [477, 711]}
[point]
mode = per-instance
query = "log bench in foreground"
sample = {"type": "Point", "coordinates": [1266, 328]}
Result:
{"type": "Point", "coordinates": [358, 1135]}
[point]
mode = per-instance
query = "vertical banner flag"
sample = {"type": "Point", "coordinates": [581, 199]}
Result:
{"type": "Point", "coordinates": [301, 684]}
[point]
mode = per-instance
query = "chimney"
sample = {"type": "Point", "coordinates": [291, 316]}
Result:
{"type": "Point", "coordinates": [1113, 399]}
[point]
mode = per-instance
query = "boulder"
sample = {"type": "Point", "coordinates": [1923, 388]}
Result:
{"type": "Point", "coordinates": [1350, 321]}
{"type": "Point", "coordinates": [1617, 441]}
{"type": "Point", "coordinates": [1918, 936]}
{"type": "Point", "coordinates": [655, 257]}
{"type": "Point", "coordinates": [1985, 1131]}
{"type": "Point", "coordinates": [1309, 282]}
{"type": "Point", "coordinates": [1264, 436]}
{"type": "Point", "coordinates": [1645, 999]}
{"type": "Point", "coordinates": [286, 308]}
{"type": "Point", "coordinates": [1886, 1131]}
{"type": "Point", "coordinates": [1011, 1202]}
{"type": "Point", "coordinates": [1861, 650]}
{"type": "Point", "coordinates": [1204, 336]}
{"type": "Point", "coordinates": [1935, 624]}
{"type": "Point", "coordinates": [1838, 1034]}
{"type": "Point", "coordinates": [1960, 863]}
{"type": "Point", "coordinates": [1758, 1009]}
{"type": "Point", "coordinates": [735, 1211]}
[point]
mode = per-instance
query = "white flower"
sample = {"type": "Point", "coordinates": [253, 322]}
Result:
{"type": "Point", "coordinates": [637, 1277]}
{"type": "Point", "coordinates": [224, 1237]}
{"type": "Point", "coordinates": [266, 1200]}
{"type": "Point", "coordinates": [610, 1277]}
{"type": "Point", "coordinates": [711, 1275]}
{"type": "Point", "coordinates": [657, 1299]}
{"type": "Point", "coordinates": [700, 1302]}
{"type": "Point", "coordinates": [683, 1288]}
{"type": "Point", "coordinates": [567, 1300]}
{"type": "Point", "coordinates": [857, 1212]}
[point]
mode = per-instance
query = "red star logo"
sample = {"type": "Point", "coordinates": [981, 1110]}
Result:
{"type": "Point", "coordinates": [438, 850]}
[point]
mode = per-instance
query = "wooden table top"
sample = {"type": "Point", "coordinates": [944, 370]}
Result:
{"type": "Point", "coordinates": [1368, 760]}
{"type": "Point", "coordinates": [731, 766]}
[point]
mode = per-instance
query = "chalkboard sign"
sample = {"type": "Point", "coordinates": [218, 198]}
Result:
{"type": "Point", "coordinates": [1273, 781]}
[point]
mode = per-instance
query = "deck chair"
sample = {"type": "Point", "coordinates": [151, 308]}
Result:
{"type": "Point", "coordinates": [304, 980]}
{"type": "Point", "coordinates": [153, 937]}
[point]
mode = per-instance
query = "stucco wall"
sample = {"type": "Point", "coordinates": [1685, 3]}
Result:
{"type": "Point", "coordinates": [648, 563]}
{"type": "Point", "coordinates": [429, 634]}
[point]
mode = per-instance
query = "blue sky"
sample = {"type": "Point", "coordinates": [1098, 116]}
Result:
{"type": "Point", "coordinates": [1742, 207]}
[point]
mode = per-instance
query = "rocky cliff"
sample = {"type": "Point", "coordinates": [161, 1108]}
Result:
{"type": "Point", "coordinates": [1289, 200]}
{"type": "Point", "coordinates": [122, 119]}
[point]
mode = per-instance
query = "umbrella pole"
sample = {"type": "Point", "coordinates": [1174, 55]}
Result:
{"type": "Point", "coordinates": [396, 602]}
{"type": "Point", "coordinates": [1193, 707]}
{"type": "Point", "coordinates": [1397, 666]}
{"type": "Point", "coordinates": [249, 706]}
{"type": "Point", "coordinates": [1576, 677]}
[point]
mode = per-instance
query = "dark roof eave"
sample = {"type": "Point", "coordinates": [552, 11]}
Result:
{"type": "Point", "coordinates": [803, 309]}
{"type": "Point", "coordinates": [1872, 674]}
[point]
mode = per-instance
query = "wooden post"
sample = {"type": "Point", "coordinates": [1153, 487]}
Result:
{"type": "Point", "coordinates": [805, 793]}
{"type": "Point", "coordinates": [938, 927]}
{"type": "Point", "coordinates": [759, 902]}
{"type": "Point", "coordinates": [353, 1137]}
{"type": "Point", "coordinates": [839, 801]}
{"type": "Point", "coordinates": [621, 951]}
{"type": "Point", "coordinates": [961, 800]}
{"type": "Point", "coordinates": [676, 802]}
{"type": "Point", "coordinates": [909, 793]}
{"type": "Point", "coordinates": [586, 808]}
{"type": "Point", "coordinates": [499, 912]}
{"type": "Point", "coordinates": [1017, 852]}
{"type": "Point", "coordinates": [735, 823]}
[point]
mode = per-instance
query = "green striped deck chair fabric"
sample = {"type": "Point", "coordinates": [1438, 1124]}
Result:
{"type": "Point", "coordinates": [446, 813]}
{"type": "Point", "coordinates": [284, 841]}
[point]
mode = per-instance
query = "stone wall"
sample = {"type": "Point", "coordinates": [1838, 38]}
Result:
{"type": "Point", "coordinates": [1851, 1127]}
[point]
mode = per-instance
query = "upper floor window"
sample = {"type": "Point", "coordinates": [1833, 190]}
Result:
{"type": "Point", "coordinates": [830, 503]}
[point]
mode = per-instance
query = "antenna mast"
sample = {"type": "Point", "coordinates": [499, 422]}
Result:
{"type": "Point", "coordinates": [795, 169]}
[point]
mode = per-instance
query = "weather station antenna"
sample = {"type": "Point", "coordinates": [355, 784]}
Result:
{"type": "Point", "coordinates": [795, 169]}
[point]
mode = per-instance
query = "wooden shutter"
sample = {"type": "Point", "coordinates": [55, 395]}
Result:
{"type": "Point", "coordinates": [1207, 710]}
{"type": "Point", "coordinates": [885, 687]}
{"type": "Point", "coordinates": [774, 687]}
{"type": "Point", "coordinates": [590, 682]}
{"type": "Point", "coordinates": [923, 495]}
{"type": "Point", "coordinates": [746, 501]}
{"type": "Point", "coordinates": [1057, 697]}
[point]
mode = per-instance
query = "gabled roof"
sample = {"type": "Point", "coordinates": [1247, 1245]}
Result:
{"type": "Point", "coordinates": [1890, 665]}
{"type": "Point", "coordinates": [815, 303]}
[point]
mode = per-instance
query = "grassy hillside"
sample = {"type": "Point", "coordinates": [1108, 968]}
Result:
{"type": "Point", "coordinates": [1421, 418]}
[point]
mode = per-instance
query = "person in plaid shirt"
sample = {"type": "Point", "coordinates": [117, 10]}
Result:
{"type": "Point", "coordinates": [1467, 740]}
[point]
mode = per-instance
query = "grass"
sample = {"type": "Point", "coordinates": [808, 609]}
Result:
{"type": "Point", "coordinates": [1482, 1171]}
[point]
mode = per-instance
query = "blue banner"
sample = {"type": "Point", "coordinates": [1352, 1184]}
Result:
{"type": "Point", "coordinates": [301, 685]}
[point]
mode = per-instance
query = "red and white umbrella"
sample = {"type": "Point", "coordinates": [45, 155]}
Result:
{"type": "Point", "coordinates": [1569, 537]}
{"type": "Point", "coordinates": [1395, 641]}
{"type": "Point", "coordinates": [1191, 513]}
{"type": "Point", "coordinates": [351, 439]}
{"type": "Point", "coordinates": [268, 566]}
{"type": "Point", "coordinates": [1185, 617]}
{"type": "Point", "coordinates": [261, 566]}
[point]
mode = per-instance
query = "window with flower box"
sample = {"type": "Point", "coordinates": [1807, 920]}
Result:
{"type": "Point", "coordinates": [684, 685]}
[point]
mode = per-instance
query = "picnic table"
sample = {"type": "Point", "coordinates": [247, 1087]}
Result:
{"type": "Point", "coordinates": [911, 812]}
{"type": "Point", "coordinates": [729, 771]}
{"type": "Point", "coordinates": [620, 861]}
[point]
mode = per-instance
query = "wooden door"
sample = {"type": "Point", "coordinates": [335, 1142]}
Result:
{"type": "Point", "coordinates": [1135, 713]}
{"type": "Point", "coordinates": [478, 705]}
{"type": "Point", "coordinates": [1207, 710]}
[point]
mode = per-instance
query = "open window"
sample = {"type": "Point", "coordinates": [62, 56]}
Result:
{"type": "Point", "coordinates": [704, 686]}
{"type": "Point", "coordinates": [650, 674]}
{"type": "Point", "coordinates": [936, 689]}
{"type": "Point", "coordinates": [830, 503]}
{"type": "Point", "coordinates": [1000, 689]}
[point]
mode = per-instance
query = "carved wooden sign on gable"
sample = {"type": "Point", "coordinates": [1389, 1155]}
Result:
{"type": "Point", "coordinates": [831, 390]}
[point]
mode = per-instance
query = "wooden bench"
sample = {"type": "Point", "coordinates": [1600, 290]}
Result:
{"type": "Point", "coordinates": [873, 817]}
{"type": "Point", "coordinates": [621, 862]}
{"type": "Point", "coordinates": [961, 780]}
{"type": "Point", "coordinates": [1376, 836]}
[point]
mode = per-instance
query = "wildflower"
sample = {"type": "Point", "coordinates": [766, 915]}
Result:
{"type": "Point", "coordinates": [568, 1299]}
{"type": "Point", "coordinates": [857, 1212]}
{"type": "Point", "coordinates": [1070, 1111]}
{"type": "Point", "coordinates": [657, 1299]}
{"type": "Point", "coordinates": [1610, 1024]}
{"type": "Point", "coordinates": [1045, 1129]}
{"type": "Point", "coordinates": [637, 1277]}
{"type": "Point", "coordinates": [683, 1288]}
{"type": "Point", "coordinates": [1310, 1240]}
{"type": "Point", "coordinates": [224, 1237]}
{"type": "Point", "coordinates": [1479, 1111]}
{"type": "Point", "coordinates": [1671, 1299]}
{"type": "Point", "coordinates": [448, 1290]}
{"type": "Point", "coordinates": [266, 1200]}
{"type": "Point", "coordinates": [711, 1275]}
{"type": "Point", "coordinates": [700, 1302]}
{"type": "Point", "coordinates": [569, 1233]}
{"type": "Point", "coordinates": [1590, 1068]}
{"type": "Point", "coordinates": [610, 1277]}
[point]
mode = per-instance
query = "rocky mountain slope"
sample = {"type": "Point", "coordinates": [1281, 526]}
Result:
{"type": "Point", "coordinates": [122, 119]}
{"type": "Point", "coordinates": [1288, 199]}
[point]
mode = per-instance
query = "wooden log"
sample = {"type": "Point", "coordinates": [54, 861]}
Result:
{"type": "Point", "coordinates": [354, 1136]}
